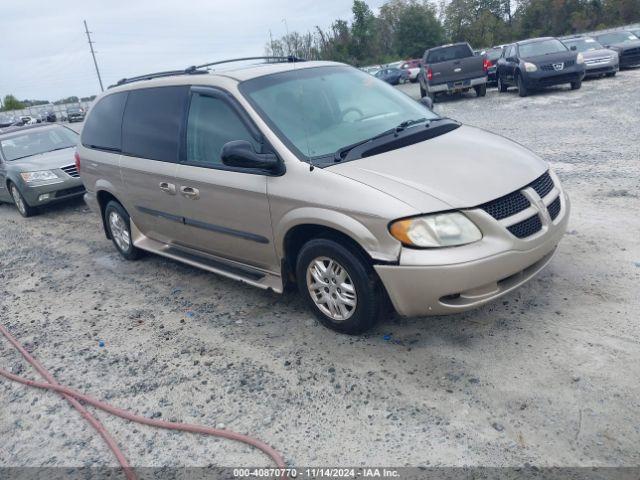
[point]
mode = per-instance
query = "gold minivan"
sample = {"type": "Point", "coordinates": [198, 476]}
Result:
{"type": "Point", "coordinates": [320, 175]}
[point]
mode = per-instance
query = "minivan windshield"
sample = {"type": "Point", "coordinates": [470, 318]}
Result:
{"type": "Point", "coordinates": [36, 141]}
{"type": "Point", "coordinates": [543, 47]}
{"type": "Point", "coordinates": [583, 44]}
{"type": "Point", "coordinates": [318, 111]}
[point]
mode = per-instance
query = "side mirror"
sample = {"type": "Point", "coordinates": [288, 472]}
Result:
{"type": "Point", "coordinates": [427, 102]}
{"type": "Point", "coordinates": [574, 48]}
{"type": "Point", "coordinates": [240, 153]}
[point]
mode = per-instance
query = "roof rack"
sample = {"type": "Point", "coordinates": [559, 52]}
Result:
{"type": "Point", "coordinates": [196, 70]}
{"type": "Point", "coordinates": [287, 59]}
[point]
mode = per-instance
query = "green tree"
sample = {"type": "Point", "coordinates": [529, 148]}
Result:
{"type": "Point", "coordinates": [417, 29]}
{"type": "Point", "coordinates": [363, 31]}
{"type": "Point", "coordinates": [10, 102]}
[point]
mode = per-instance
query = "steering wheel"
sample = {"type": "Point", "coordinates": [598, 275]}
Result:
{"type": "Point", "coordinates": [352, 109]}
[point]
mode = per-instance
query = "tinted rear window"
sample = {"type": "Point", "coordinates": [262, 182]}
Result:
{"type": "Point", "coordinates": [152, 121]}
{"type": "Point", "coordinates": [453, 52]}
{"type": "Point", "coordinates": [102, 129]}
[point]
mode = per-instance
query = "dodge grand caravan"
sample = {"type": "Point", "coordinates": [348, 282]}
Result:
{"type": "Point", "coordinates": [317, 174]}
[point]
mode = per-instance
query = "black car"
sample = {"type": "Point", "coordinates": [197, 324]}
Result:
{"type": "Point", "coordinates": [625, 43]}
{"type": "Point", "coordinates": [75, 114]}
{"type": "Point", "coordinates": [48, 116]}
{"type": "Point", "coordinates": [538, 63]}
{"type": "Point", "coordinates": [492, 55]}
{"type": "Point", "coordinates": [393, 76]}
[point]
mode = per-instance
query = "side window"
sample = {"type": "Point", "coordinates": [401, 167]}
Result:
{"type": "Point", "coordinates": [152, 121]}
{"type": "Point", "coordinates": [211, 124]}
{"type": "Point", "coordinates": [102, 130]}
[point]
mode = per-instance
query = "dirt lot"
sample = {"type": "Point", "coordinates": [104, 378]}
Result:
{"type": "Point", "coordinates": [550, 375]}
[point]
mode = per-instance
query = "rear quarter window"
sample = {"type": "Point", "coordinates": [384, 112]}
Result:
{"type": "Point", "coordinates": [152, 121]}
{"type": "Point", "coordinates": [102, 130]}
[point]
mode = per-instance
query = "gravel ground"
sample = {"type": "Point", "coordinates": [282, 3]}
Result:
{"type": "Point", "coordinates": [549, 375]}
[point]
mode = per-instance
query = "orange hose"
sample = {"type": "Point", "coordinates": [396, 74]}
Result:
{"type": "Point", "coordinates": [73, 397]}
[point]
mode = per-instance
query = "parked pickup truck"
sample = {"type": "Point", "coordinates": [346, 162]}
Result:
{"type": "Point", "coordinates": [452, 68]}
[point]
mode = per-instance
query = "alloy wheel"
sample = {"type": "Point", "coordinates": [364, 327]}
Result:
{"type": "Point", "coordinates": [119, 231]}
{"type": "Point", "coordinates": [17, 198]}
{"type": "Point", "coordinates": [331, 288]}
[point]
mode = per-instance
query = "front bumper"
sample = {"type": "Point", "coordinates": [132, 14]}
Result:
{"type": "Point", "coordinates": [542, 78]}
{"type": "Point", "coordinates": [451, 280]}
{"type": "Point", "coordinates": [43, 194]}
{"type": "Point", "coordinates": [457, 86]}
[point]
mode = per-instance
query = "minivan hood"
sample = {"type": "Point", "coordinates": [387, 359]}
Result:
{"type": "Point", "coordinates": [45, 161]}
{"type": "Point", "coordinates": [460, 169]}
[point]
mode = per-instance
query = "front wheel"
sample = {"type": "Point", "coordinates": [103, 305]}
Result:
{"type": "Point", "coordinates": [522, 90]}
{"type": "Point", "coordinates": [611, 74]}
{"type": "Point", "coordinates": [119, 227]}
{"type": "Point", "coordinates": [423, 92]}
{"type": "Point", "coordinates": [21, 204]}
{"type": "Point", "coordinates": [576, 85]}
{"type": "Point", "coordinates": [340, 286]}
{"type": "Point", "coordinates": [501, 85]}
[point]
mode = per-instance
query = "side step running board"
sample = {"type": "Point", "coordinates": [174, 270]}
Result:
{"type": "Point", "coordinates": [237, 271]}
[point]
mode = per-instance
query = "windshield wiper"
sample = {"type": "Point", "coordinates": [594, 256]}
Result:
{"type": "Point", "coordinates": [341, 153]}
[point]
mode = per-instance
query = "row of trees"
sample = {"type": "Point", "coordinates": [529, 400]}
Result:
{"type": "Point", "coordinates": [10, 102]}
{"type": "Point", "coordinates": [405, 28]}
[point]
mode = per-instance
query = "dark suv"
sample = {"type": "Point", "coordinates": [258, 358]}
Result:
{"type": "Point", "coordinates": [538, 63]}
{"type": "Point", "coordinates": [625, 43]}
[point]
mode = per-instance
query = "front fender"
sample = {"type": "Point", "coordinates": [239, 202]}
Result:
{"type": "Point", "coordinates": [387, 251]}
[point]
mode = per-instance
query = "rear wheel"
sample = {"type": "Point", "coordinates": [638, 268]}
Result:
{"type": "Point", "coordinates": [119, 226]}
{"type": "Point", "coordinates": [522, 89]}
{"type": "Point", "coordinates": [340, 286]}
{"type": "Point", "coordinates": [576, 85]}
{"type": "Point", "coordinates": [481, 90]}
{"type": "Point", "coordinates": [611, 74]}
{"type": "Point", "coordinates": [21, 204]}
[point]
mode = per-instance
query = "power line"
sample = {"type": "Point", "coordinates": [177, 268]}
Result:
{"type": "Point", "coordinates": [93, 54]}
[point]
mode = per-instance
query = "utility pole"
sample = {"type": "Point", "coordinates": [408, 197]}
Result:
{"type": "Point", "coordinates": [93, 54]}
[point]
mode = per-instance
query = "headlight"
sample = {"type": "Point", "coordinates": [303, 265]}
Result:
{"type": "Point", "coordinates": [41, 176]}
{"type": "Point", "coordinates": [438, 230]}
{"type": "Point", "coordinates": [530, 67]}
{"type": "Point", "coordinates": [580, 59]}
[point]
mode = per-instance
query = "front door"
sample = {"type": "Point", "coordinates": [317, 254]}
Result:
{"type": "Point", "coordinates": [225, 210]}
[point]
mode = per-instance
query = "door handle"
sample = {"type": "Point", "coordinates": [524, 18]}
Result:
{"type": "Point", "coordinates": [169, 188]}
{"type": "Point", "coordinates": [190, 192]}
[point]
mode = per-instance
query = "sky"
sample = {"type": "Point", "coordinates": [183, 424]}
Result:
{"type": "Point", "coordinates": [45, 54]}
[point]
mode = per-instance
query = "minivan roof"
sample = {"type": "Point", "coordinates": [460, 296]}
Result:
{"type": "Point", "coordinates": [238, 73]}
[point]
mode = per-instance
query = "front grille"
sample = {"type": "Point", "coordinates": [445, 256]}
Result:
{"type": "Point", "coordinates": [554, 208]}
{"type": "Point", "coordinates": [70, 191]}
{"type": "Point", "coordinates": [527, 227]}
{"type": "Point", "coordinates": [515, 202]}
{"type": "Point", "coordinates": [542, 185]}
{"type": "Point", "coordinates": [71, 170]}
{"type": "Point", "coordinates": [549, 67]}
{"type": "Point", "coordinates": [595, 61]}
{"type": "Point", "coordinates": [506, 206]}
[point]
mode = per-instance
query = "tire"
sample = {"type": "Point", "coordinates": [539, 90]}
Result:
{"type": "Point", "coordinates": [522, 90]}
{"type": "Point", "coordinates": [344, 267]}
{"type": "Point", "coordinates": [576, 85]}
{"type": "Point", "coordinates": [610, 74]}
{"type": "Point", "coordinates": [432, 96]}
{"type": "Point", "coordinates": [21, 204]}
{"type": "Point", "coordinates": [423, 92]}
{"type": "Point", "coordinates": [501, 85]}
{"type": "Point", "coordinates": [481, 90]}
{"type": "Point", "coordinates": [119, 228]}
